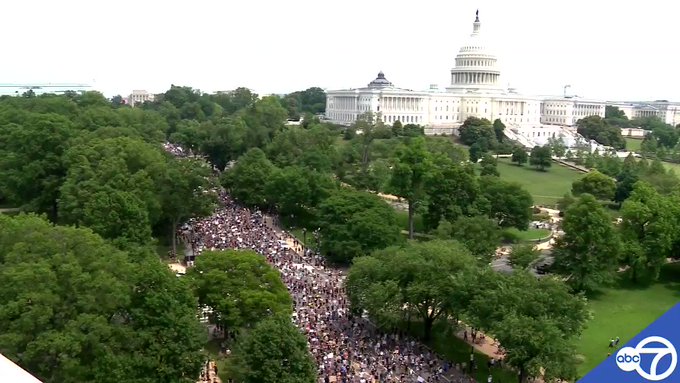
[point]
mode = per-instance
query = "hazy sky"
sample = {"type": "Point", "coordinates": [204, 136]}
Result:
{"type": "Point", "coordinates": [604, 49]}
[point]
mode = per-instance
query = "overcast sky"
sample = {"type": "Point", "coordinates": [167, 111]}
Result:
{"type": "Point", "coordinates": [603, 49]}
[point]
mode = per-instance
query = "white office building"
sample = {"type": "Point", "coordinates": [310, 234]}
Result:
{"type": "Point", "coordinates": [139, 97]}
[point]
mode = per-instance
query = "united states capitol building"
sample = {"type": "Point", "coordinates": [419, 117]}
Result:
{"type": "Point", "coordinates": [475, 91]}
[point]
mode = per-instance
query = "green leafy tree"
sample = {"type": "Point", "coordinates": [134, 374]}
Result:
{"type": "Point", "coordinates": [248, 179]}
{"type": "Point", "coordinates": [520, 156]}
{"type": "Point", "coordinates": [508, 202]}
{"type": "Point", "coordinates": [535, 320]}
{"type": "Point", "coordinates": [566, 201]}
{"type": "Point", "coordinates": [397, 128]}
{"type": "Point", "coordinates": [186, 187]}
{"type": "Point", "coordinates": [476, 152]}
{"type": "Point", "coordinates": [648, 229]}
{"type": "Point", "coordinates": [589, 251]}
{"type": "Point", "coordinates": [598, 129]}
{"type": "Point", "coordinates": [595, 183]}
{"type": "Point", "coordinates": [31, 159]}
{"type": "Point", "coordinates": [523, 256]}
{"type": "Point", "coordinates": [541, 157]}
{"type": "Point", "coordinates": [498, 128]}
{"type": "Point", "coordinates": [289, 190]}
{"type": "Point", "coordinates": [489, 166]}
{"type": "Point", "coordinates": [76, 309]}
{"type": "Point", "coordinates": [355, 223]}
{"type": "Point", "coordinates": [452, 189]}
{"type": "Point", "coordinates": [240, 286]}
{"type": "Point", "coordinates": [264, 118]}
{"type": "Point", "coordinates": [478, 131]}
{"type": "Point", "coordinates": [273, 351]}
{"type": "Point", "coordinates": [448, 148]}
{"type": "Point", "coordinates": [557, 146]}
{"type": "Point", "coordinates": [112, 186]}
{"type": "Point", "coordinates": [224, 140]}
{"type": "Point", "coordinates": [392, 279]}
{"type": "Point", "coordinates": [479, 234]}
{"type": "Point", "coordinates": [409, 174]}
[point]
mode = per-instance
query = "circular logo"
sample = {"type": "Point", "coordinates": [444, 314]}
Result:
{"type": "Point", "coordinates": [628, 358]}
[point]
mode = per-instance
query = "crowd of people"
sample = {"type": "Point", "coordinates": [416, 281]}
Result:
{"type": "Point", "coordinates": [347, 348]}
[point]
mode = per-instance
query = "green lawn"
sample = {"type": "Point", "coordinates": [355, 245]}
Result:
{"type": "Point", "coordinates": [633, 144]}
{"type": "Point", "coordinates": [672, 166]}
{"type": "Point", "coordinates": [529, 235]}
{"type": "Point", "coordinates": [402, 218]}
{"type": "Point", "coordinates": [546, 187]}
{"type": "Point", "coordinates": [624, 312]}
{"type": "Point", "coordinates": [446, 343]}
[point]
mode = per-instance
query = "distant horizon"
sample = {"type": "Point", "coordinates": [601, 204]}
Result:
{"type": "Point", "coordinates": [605, 52]}
{"type": "Point", "coordinates": [124, 95]}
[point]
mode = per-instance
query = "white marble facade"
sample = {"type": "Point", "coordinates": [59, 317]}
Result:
{"type": "Point", "coordinates": [475, 91]}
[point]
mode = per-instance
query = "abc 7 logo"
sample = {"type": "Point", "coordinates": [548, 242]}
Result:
{"type": "Point", "coordinates": [628, 358]}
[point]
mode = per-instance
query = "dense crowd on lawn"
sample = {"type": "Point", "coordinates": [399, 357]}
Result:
{"type": "Point", "coordinates": [346, 348]}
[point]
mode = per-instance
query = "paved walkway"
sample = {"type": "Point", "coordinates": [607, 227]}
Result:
{"type": "Point", "coordinates": [486, 345]}
{"type": "Point", "coordinates": [209, 373]}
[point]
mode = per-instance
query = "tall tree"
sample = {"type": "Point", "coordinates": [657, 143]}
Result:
{"type": "Point", "coordinates": [595, 183]}
{"type": "Point", "coordinates": [273, 351]}
{"type": "Point", "coordinates": [478, 131]}
{"type": "Point", "coordinates": [412, 278]}
{"type": "Point", "coordinates": [489, 166]}
{"type": "Point", "coordinates": [649, 228]}
{"type": "Point", "coordinates": [452, 189]}
{"type": "Point", "coordinates": [541, 157]}
{"type": "Point", "coordinates": [479, 234]}
{"type": "Point", "coordinates": [588, 253]}
{"type": "Point", "coordinates": [240, 286]}
{"type": "Point", "coordinates": [111, 186]}
{"type": "Point", "coordinates": [247, 180]}
{"type": "Point", "coordinates": [598, 129]}
{"type": "Point", "coordinates": [498, 128]}
{"type": "Point", "coordinates": [31, 159]}
{"type": "Point", "coordinates": [355, 223]}
{"type": "Point", "coordinates": [186, 192]}
{"type": "Point", "coordinates": [508, 202]}
{"type": "Point", "coordinates": [520, 156]}
{"type": "Point", "coordinates": [409, 174]}
{"type": "Point", "coordinates": [76, 309]}
{"type": "Point", "coordinates": [535, 320]}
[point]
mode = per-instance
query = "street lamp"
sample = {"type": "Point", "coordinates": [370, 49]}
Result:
{"type": "Point", "coordinates": [304, 236]}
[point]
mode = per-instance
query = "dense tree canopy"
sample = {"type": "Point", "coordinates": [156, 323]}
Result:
{"type": "Point", "coordinates": [74, 309]}
{"type": "Point", "coordinates": [240, 286]}
{"type": "Point", "coordinates": [541, 157]}
{"type": "Point", "coordinates": [589, 251]}
{"type": "Point", "coordinates": [356, 223]}
{"type": "Point", "coordinates": [507, 202]}
{"type": "Point", "coordinates": [478, 131]}
{"type": "Point", "coordinates": [595, 183]}
{"type": "Point", "coordinates": [428, 279]}
{"type": "Point", "coordinates": [409, 174]}
{"type": "Point", "coordinates": [273, 351]}
{"type": "Point", "coordinates": [535, 319]}
{"type": "Point", "coordinates": [598, 129]}
{"type": "Point", "coordinates": [649, 230]}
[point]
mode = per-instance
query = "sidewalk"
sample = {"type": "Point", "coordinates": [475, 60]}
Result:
{"type": "Point", "coordinates": [211, 376]}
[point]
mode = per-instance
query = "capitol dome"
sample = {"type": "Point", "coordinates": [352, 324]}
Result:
{"type": "Point", "coordinates": [380, 82]}
{"type": "Point", "coordinates": [476, 66]}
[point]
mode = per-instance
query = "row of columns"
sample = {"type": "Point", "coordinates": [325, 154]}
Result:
{"type": "Point", "coordinates": [345, 103]}
{"type": "Point", "coordinates": [401, 103]}
{"type": "Point", "coordinates": [475, 78]}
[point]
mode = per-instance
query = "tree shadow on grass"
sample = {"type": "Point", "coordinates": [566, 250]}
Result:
{"type": "Point", "coordinates": [669, 277]}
